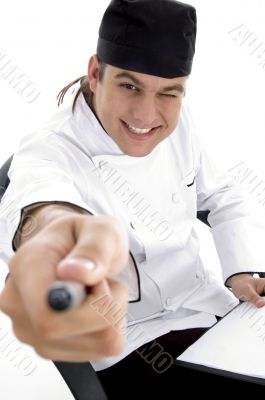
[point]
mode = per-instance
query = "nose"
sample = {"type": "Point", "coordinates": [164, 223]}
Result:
{"type": "Point", "coordinates": [144, 112]}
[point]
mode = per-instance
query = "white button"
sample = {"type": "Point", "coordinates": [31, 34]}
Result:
{"type": "Point", "coordinates": [175, 198]}
{"type": "Point", "coordinates": [169, 301]}
{"type": "Point", "coordinates": [132, 225]}
{"type": "Point", "coordinates": [102, 164]}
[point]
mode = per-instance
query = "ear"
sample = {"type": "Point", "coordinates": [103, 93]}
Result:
{"type": "Point", "coordinates": [93, 72]}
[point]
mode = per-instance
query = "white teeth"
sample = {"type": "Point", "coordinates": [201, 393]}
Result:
{"type": "Point", "coordinates": [138, 130]}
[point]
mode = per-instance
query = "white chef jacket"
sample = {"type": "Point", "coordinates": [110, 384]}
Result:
{"type": "Point", "coordinates": [156, 198]}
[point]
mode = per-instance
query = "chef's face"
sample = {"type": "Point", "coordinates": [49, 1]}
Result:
{"type": "Point", "coordinates": [137, 110]}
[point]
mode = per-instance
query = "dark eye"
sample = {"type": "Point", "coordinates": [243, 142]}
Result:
{"type": "Point", "coordinates": [172, 96]}
{"type": "Point", "coordinates": [128, 86]}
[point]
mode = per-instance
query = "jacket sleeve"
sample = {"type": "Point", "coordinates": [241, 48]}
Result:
{"type": "Point", "coordinates": [41, 172]}
{"type": "Point", "coordinates": [237, 220]}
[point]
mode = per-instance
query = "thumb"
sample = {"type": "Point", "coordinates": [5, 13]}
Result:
{"type": "Point", "coordinates": [260, 302]}
{"type": "Point", "coordinates": [100, 250]}
{"type": "Point", "coordinates": [257, 290]}
{"type": "Point", "coordinates": [256, 299]}
{"type": "Point", "coordinates": [81, 270]}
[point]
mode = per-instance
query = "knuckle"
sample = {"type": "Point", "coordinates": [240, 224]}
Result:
{"type": "Point", "coordinates": [114, 315]}
{"type": "Point", "coordinates": [111, 343]}
{"type": "Point", "coordinates": [120, 293]}
{"type": "Point", "coordinates": [253, 297]}
{"type": "Point", "coordinates": [43, 352]}
{"type": "Point", "coordinates": [106, 335]}
{"type": "Point", "coordinates": [123, 293]}
{"type": "Point", "coordinates": [22, 334]}
{"type": "Point", "coordinates": [45, 330]}
{"type": "Point", "coordinates": [111, 228]}
{"type": "Point", "coordinates": [116, 347]}
{"type": "Point", "coordinates": [116, 309]}
{"type": "Point", "coordinates": [9, 305]}
{"type": "Point", "coordinates": [244, 290]}
{"type": "Point", "coordinates": [242, 297]}
{"type": "Point", "coordinates": [7, 308]}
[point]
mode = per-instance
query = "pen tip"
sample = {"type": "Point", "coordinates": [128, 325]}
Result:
{"type": "Point", "coordinates": [59, 299]}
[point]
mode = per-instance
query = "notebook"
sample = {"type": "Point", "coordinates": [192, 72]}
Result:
{"type": "Point", "coordinates": [234, 346]}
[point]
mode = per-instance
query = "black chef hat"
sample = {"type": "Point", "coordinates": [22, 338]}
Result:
{"type": "Point", "coordinates": [155, 37]}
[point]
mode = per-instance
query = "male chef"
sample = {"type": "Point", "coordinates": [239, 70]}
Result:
{"type": "Point", "coordinates": [115, 180]}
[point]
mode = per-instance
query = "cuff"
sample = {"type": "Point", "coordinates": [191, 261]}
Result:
{"type": "Point", "coordinates": [240, 273]}
{"type": "Point", "coordinates": [27, 209]}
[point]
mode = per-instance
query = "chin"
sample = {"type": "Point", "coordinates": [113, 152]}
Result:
{"type": "Point", "coordinates": [138, 153]}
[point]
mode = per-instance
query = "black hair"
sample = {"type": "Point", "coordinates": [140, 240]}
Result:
{"type": "Point", "coordinates": [84, 87]}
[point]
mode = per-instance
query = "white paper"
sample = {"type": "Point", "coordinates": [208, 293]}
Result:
{"type": "Point", "coordinates": [235, 344]}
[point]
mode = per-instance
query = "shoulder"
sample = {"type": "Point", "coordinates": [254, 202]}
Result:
{"type": "Point", "coordinates": [63, 127]}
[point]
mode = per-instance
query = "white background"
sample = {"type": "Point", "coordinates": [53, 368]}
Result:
{"type": "Point", "coordinates": [51, 43]}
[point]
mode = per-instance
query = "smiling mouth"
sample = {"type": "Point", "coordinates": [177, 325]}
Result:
{"type": "Point", "coordinates": [139, 131]}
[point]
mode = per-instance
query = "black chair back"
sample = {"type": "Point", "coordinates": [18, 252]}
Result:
{"type": "Point", "coordinates": [4, 180]}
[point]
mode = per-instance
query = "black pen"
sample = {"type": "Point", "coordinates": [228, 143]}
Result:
{"type": "Point", "coordinates": [66, 295]}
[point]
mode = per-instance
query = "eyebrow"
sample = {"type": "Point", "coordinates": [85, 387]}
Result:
{"type": "Point", "coordinates": [137, 82]}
